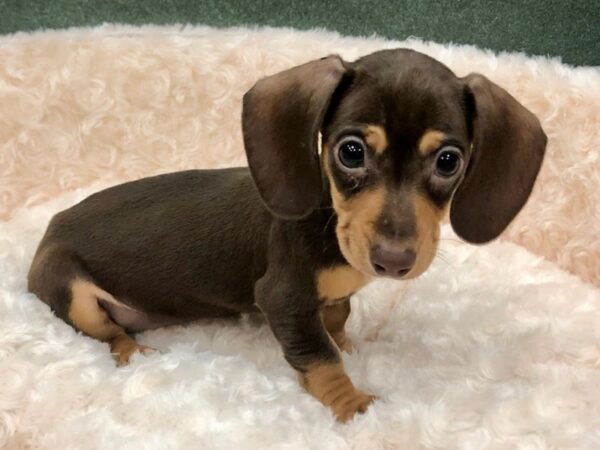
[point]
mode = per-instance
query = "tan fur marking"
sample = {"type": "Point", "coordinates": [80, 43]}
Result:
{"type": "Point", "coordinates": [329, 384]}
{"type": "Point", "coordinates": [428, 218]}
{"type": "Point", "coordinates": [87, 316]}
{"type": "Point", "coordinates": [355, 228]}
{"type": "Point", "coordinates": [356, 219]}
{"type": "Point", "coordinates": [430, 141]}
{"type": "Point", "coordinates": [123, 347]}
{"type": "Point", "coordinates": [338, 282]}
{"type": "Point", "coordinates": [376, 137]}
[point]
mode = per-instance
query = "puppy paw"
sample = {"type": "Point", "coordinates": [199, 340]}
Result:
{"type": "Point", "coordinates": [332, 387]}
{"type": "Point", "coordinates": [350, 404]}
{"type": "Point", "coordinates": [122, 357]}
{"type": "Point", "coordinates": [122, 347]}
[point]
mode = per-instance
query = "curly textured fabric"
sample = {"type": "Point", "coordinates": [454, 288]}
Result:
{"type": "Point", "coordinates": [494, 346]}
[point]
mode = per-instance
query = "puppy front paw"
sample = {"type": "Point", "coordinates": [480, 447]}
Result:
{"type": "Point", "coordinates": [332, 387]}
{"type": "Point", "coordinates": [350, 404]}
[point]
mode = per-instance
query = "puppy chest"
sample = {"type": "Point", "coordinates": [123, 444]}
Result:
{"type": "Point", "coordinates": [337, 282]}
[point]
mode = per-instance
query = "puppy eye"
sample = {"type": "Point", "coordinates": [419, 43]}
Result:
{"type": "Point", "coordinates": [448, 162]}
{"type": "Point", "coordinates": [351, 153]}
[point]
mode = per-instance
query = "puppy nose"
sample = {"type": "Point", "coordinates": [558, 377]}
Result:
{"type": "Point", "coordinates": [391, 261]}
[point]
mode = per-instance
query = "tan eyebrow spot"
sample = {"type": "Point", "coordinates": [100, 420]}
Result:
{"type": "Point", "coordinates": [376, 138]}
{"type": "Point", "coordinates": [430, 141]}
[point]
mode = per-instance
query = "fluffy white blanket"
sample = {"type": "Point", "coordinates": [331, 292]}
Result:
{"type": "Point", "coordinates": [494, 347]}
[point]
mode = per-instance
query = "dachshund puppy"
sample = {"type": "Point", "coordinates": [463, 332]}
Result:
{"type": "Point", "coordinates": [305, 226]}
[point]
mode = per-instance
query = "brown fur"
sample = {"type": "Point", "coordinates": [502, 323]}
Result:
{"type": "Point", "coordinates": [332, 387]}
{"type": "Point", "coordinates": [334, 283]}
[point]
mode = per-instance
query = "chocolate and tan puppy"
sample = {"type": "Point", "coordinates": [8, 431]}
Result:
{"type": "Point", "coordinates": [303, 228]}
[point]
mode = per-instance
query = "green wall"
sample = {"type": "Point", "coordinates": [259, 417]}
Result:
{"type": "Point", "coordinates": [569, 29]}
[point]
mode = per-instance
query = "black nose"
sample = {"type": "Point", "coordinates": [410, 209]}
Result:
{"type": "Point", "coordinates": [392, 261]}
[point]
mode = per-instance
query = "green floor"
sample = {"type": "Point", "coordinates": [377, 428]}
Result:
{"type": "Point", "coordinates": [569, 29]}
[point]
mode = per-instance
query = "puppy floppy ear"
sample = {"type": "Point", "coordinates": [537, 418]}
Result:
{"type": "Point", "coordinates": [281, 119]}
{"type": "Point", "coordinates": [508, 148]}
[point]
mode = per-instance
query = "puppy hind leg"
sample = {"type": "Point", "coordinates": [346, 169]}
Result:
{"type": "Point", "coordinates": [59, 279]}
{"type": "Point", "coordinates": [87, 315]}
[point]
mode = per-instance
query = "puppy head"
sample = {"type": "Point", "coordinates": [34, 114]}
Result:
{"type": "Point", "coordinates": [403, 140]}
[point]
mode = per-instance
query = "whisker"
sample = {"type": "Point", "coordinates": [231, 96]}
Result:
{"type": "Point", "coordinates": [448, 239]}
{"type": "Point", "coordinates": [442, 256]}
